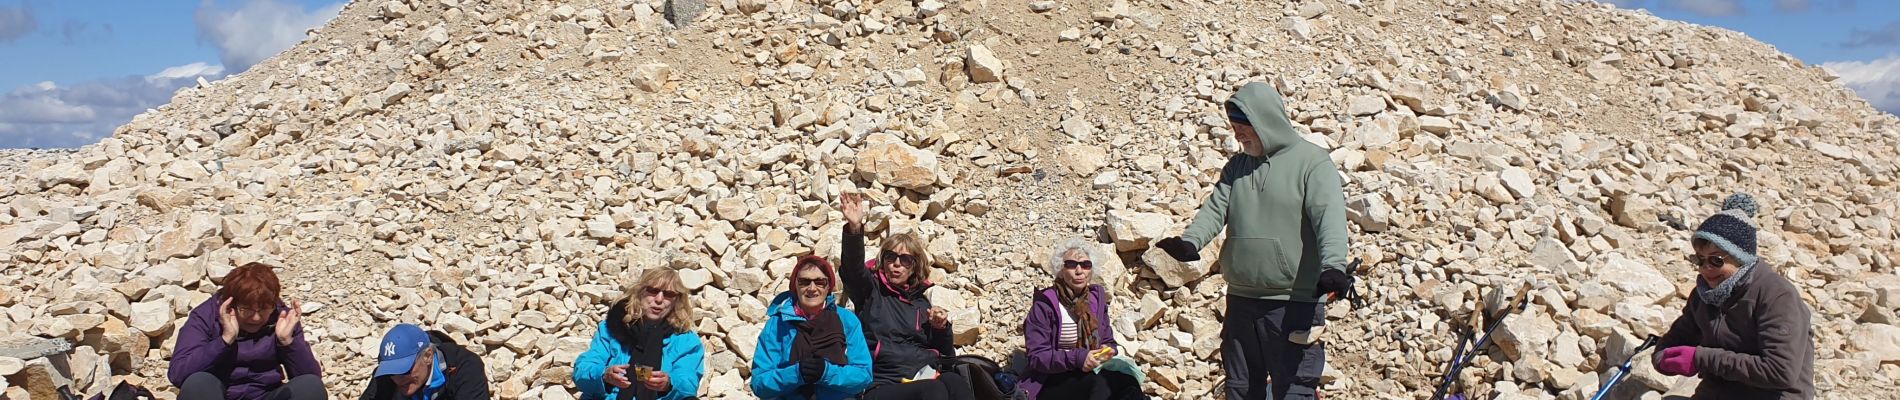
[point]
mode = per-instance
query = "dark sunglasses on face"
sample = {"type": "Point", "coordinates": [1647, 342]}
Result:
{"type": "Point", "coordinates": [1084, 264]}
{"type": "Point", "coordinates": [820, 282]}
{"type": "Point", "coordinates": [892, 256]}
{"type": "Point", "coordinates": [669, 295]}
{"type": "Point", "coordinates": [1710, 262]}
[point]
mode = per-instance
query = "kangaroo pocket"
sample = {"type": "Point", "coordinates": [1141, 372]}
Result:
{"type": "Point", "coordinates": [1258, 262]}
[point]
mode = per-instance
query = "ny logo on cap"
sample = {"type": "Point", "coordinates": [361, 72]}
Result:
{"type": "Point", "coordinates": [389, 349]}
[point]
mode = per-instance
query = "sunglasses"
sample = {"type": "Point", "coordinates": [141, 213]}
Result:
{"type": "Point", "coordinates": [1710, 262]}
{"type": "Point", "coordinates": [668, 294]}
{"type": "Point", "coordinates": [1084, 264]}
{"type": "Point", "coordinates": [892, 256]}
{"type": "Point", "coordinates": [820, 282]}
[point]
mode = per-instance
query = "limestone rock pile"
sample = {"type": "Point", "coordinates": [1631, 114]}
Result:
{"type": "Point", "coordinates": [498, 169]}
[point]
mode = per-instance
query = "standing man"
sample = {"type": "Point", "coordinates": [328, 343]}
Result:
{"type": "Point", "coordinates": [1281, 203]}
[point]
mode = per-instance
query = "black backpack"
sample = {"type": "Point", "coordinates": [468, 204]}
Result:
{"type": "Point", "coordinates": [982, 373]}
{"type": "Point", "coordinates": [125, 391]}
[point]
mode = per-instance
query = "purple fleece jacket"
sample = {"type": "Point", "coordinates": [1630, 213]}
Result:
{"type": "Point", "coordinates": [1042, 329]}
{"type": "Point", "coordinates": [250, 366]}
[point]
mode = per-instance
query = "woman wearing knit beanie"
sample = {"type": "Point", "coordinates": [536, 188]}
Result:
{"type": "Point", "coordinates": [1745, 330]}
{"type": "Point", "coordinates": [811, 348]}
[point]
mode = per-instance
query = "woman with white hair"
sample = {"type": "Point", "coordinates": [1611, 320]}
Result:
{"type": "Point", "coordinates": [1068, 335]}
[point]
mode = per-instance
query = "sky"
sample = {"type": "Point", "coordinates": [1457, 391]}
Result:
{"type": "Point", "coordinates": [73, 70]}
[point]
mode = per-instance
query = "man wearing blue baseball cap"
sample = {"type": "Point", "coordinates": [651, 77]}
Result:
{"type": "Point", "coordinates": [414, 364]}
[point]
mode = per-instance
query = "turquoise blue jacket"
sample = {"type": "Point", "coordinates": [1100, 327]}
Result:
{"type": "Point", "coordinates": [775, 377]}
{"type": "Point", "coordinates": [684, 363]}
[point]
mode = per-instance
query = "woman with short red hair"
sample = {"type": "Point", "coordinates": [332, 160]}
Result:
{"type": "Point", "coordinates": [243, 342]}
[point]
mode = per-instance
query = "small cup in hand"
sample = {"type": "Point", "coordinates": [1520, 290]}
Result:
{"type": "Point", "coordinates": [642, 373]}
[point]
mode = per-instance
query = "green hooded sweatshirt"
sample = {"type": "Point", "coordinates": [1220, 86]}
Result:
{"type": "Point", "coordinates": [1285, 213]}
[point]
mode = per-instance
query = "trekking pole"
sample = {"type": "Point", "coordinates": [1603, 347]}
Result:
{"type": "Point", "coordinates": [1624, 370]}
{"type": "Point", "coordinates": [1461, 359]}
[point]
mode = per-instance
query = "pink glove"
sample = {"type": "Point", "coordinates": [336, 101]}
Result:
{"type": "Point", "coordinates": [1678, 361]}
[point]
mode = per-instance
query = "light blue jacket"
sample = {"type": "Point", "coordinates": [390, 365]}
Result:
{"type": "Point", "coordinates": [684, 361]}
{"type": "Point", "coordinates": [775, 377]}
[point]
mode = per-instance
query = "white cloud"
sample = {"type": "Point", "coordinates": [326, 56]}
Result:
{"type": "Point", "coordinates": [192, 70]}
{"type": "Point", "coordinates": [257, 29]}
{"type": "Point", "coordinates": [16, 22]}
{"type": "Point", "coordinates": [47, 114]}
{"type": "Point", "coordinates": [1878, 81]}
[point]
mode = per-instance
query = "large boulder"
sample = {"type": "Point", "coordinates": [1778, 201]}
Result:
{"type": "Point", "coordinates": [1527, 335]}
{"type": "Point", "coordinates": [983, 65]}
{"type": "Point", "coordinates": [1878, 343]}
{"type": "Point", "coordinates": [1135, 231]}
{"type": "Point", "coordinates": [41, 379]}
{"type": "Point", "coordinates": [154, 318]}
{"type": "Point", "coordinates": [1635, 280]}
{"type": "Point", "coordinates": [897, 164]}
{"type": "Point", "coordinates": [1174, 273]}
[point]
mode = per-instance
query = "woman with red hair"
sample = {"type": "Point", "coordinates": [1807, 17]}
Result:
{"type": "Point", "coordinates": [244, 342]}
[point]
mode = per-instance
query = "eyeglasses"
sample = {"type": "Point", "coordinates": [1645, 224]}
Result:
{"type": "Point", "coordinates": [252, 310]}
{"type": "Point", "coordinates": [1710, 261]}
{"type": "Point", "coordinates": [820, 282]}
{"type": "Point", "coordinates": [892, 256]}
{"type": "Point", "coordinates": [669, 295]}
{"type": "Point", "coordinates": [1084, 264]}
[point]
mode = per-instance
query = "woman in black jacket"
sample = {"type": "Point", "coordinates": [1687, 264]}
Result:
{"type": "Point", "coordinates": [905, 332]}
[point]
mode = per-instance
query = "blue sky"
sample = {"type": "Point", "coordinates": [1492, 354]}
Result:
{"type": "Point", "coordinates": [1815, 31]}
{"type": "Point", "coordinates": [72, 70]}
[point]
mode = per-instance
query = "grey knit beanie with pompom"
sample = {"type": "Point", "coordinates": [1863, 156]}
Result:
{"type": "Point", "coordinates": [1733, 229]}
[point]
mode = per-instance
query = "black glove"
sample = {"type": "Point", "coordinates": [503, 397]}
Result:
{"type": "Point", "coordinates": [1334, 281]}
{"type": "Point", "coordinates": [1181, 250]}
{"type": "Point", "coordinates": [812, 369]}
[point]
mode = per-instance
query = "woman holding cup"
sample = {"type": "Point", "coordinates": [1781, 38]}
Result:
{"type": "Point", "coordinates": [645, 349]}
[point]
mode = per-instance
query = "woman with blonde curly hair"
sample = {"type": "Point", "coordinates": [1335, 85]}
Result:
{"type": "Point", "coordinates": [646, 348]}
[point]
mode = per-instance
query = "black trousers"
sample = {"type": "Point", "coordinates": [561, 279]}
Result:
{"type": "Point", "coordinates": [205, 386]}
{"type": "Point", "coordinates": [1255, 349]}
{"type": "Point", "coordinates": [948, 386]}
{"type": "Point", "coordinates": [1091, 386]}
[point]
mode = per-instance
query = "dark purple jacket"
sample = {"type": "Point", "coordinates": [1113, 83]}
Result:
{"type": "Point", "coordinates": [250, 366]}
{"type": "Point", "coordinates": [1044, 327]}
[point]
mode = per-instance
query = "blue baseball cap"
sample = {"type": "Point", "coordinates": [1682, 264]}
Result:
{"type": "Point", "coordinates": [400, 347]}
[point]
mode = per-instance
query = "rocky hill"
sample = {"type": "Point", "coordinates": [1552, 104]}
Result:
{"type": "Point", "coordinates": [498, 169]}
